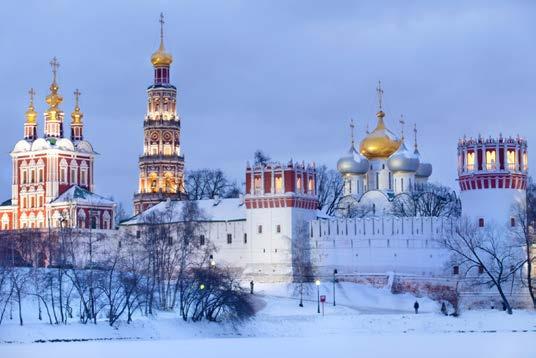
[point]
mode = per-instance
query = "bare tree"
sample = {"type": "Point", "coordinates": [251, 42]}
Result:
{"type": "Point", "coordinates": [302, 265]}
{"type": "Point", "coordinates": [430, 200]}
{"type": "Point", "coordinates": [330, 187]}
{"type": "Point", "coordinates": [209, 184]}
{"type": "Point", "coordinates": [523, 229]}
{"type": "Point", "coordinates": [490, 251]}
{"type": "Point", "coordinates": [259, 157]}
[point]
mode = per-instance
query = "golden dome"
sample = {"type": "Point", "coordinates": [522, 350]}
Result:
{"type": "Point", "coordinates": [381, 142]}
{"type": "Point", "coordinates": [54, 98]}
{"type": "Point", "coordinates": [31, 114]}
{"type": "Point", "coordinates": [161, 57]}
{"type": "Point", "coordinates": [77, 114]}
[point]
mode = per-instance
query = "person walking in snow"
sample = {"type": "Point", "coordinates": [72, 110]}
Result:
{"type": "Point", "coordinates": [251, 284]}
{"type": "Point", "coordinates": [444, 309]}
{"type": "Point", "coordinates": [416, 307]}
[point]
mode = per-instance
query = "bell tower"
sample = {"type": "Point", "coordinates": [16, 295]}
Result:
{"type": "Point", "coordinates": [161, 166]}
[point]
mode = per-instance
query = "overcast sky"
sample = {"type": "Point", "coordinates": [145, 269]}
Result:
{"type": "Point", "coordinates": [283, 76]}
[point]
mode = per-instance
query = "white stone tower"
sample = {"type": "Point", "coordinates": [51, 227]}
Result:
{"type": "Point", "coordinates": [492, 174]}
{"type": "Point", "coordinates": [280, 201]}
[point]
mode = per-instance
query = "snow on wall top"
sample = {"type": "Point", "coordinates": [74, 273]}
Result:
{"type": "Point", "coordinates": [232, 209]}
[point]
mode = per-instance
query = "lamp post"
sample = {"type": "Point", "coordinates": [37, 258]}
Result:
{"type": "Point", "coordinates": [334, 282]}
{"type": "Point", "coordinates": [212, 262]}
{"type": "Point", "coordinates": [317, 283]}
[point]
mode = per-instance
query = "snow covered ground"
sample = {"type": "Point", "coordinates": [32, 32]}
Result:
{"type": "Point", "coordinates": [366, 322]}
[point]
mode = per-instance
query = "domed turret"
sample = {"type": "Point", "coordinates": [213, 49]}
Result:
{"type": "Point", "coordinates": [353, 163]}
{"type": "Point", "coordinates": [425, 169]}
{"type": "Point", "coordinates": [403, 160]}
{"type": "Point", "coordinates": [381, 142]}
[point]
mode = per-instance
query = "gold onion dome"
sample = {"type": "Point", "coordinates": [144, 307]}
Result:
{"type": "Point", "coordinates": [381, 142]}
{"type": "Point", "coordinates": [77, 114]}
{"type": "Point", "coordinates": [31, 114]}
{"type": "Point", "coordinates": [161, 57]}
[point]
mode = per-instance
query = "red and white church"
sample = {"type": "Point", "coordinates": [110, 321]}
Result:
{"type": "Point", "coordinates": [52, 176]}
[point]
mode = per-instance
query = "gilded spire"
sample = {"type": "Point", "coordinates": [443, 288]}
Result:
{"type": "Point", "coordinates": [31, 114]}
{"type": "Point", "coordinates": [161, 57]}
{"type": "Point", "coordinates": [54, 99]}
{"type": "Point", "coordinates": [77, 114]}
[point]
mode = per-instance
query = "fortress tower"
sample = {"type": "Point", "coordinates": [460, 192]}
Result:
{"type": "Point", "coordinates": [492, 174]}
{"type": "Point", "coordinates": [280, 201]}
{"type": "Point", "coordinates": [161, 165]}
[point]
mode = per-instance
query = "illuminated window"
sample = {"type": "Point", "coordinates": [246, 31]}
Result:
{"type": "Point", "coordinates": [311, 185]}
{"type": "Point", "coordinates": [470, 161]}
{"type": "Point", "coordinates": [167, 149]}
{"type": "Point", "coordinates": [490, 159]}
{"type": "Point", "coordinates": [525, 161]}
{"type": "Point", "coordinates": [278, 184]}
{"type": "Point", "coordinates": [511, 159]}
{"type": "Point", "coordinates": [298, 184]}
{"type": "Point", "coordinates": [257, 184]}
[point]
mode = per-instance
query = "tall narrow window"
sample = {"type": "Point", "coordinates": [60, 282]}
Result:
{"type": "Point", "coordinates": [245, 238]}
{"type": "Point", "coordinates": [259, 229]}
{"type": "Point", "coordinates": [481, 222]}
{"type": "Point", "coordinates": [229, 238]}
{"type": "Point", "coordinates": [470, 160]}
{"type": "Point", "coordinates": [377, 180]}
{"type": "Point", "coordinates": [201, 240]}
{"type": "Point", "coordinates": [490, 159]}
{"type": "Point", "coordinates": [278, 229]}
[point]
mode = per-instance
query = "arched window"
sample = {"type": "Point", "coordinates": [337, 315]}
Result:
{"type": "Point", "coordinates": [481, 222]}
{"type": "Point", "coordinates": [278, 184]}
{"type": "Point", "coordinates": [470, 160]}
{"type": "Point", "coordinates": [81, 218]}
{"type": "Point", "coordinates": [63, 171]}
{"type": "Point", "coordinates": [490, 159]}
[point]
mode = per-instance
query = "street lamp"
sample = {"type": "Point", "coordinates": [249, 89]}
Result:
{"type": "Point", "coordinates": [317, 283]}
{"type": "Point", "coordinates": [212, 262]}
{"type": "Point", "coordinates": [202, 286]}
{"type": "Point", "coordinates": [334, 282]}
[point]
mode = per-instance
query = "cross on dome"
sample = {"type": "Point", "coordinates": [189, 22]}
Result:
{"type": "Point", "coordinates": [352, 126]}
{"type": "Point", "coordinates": [31, 92]}
{"type": "Point", "coordinates": [379, 91]}
{"type": "Point", "coordinates": [402, 122]}
{"type": "Point", "coordinates": [55, 65]}
{"type": "Point", "coordinates": [77, 94]}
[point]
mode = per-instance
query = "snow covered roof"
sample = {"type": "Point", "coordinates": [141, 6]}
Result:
{"type": "Point", "coordinates": [78, 195]}
{"type": "Point", "coordinates": [232, 209]}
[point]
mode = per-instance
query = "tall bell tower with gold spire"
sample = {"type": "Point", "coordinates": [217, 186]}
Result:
{"type": "Point", "coordinates": [161, 166]}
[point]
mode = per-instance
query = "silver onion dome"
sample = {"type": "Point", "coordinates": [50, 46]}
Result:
{"type": "Point", "coordinates": [403, 160]}
{"type": "Point", "coordinates": [353, 163]}
{"type": "Point", "coordinates": [424, 170]}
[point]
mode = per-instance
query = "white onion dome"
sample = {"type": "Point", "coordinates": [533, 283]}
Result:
{"type": "Point", "coordinates": [403, 160]}
{"type": "Point", "coordinates": [353, 163]}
